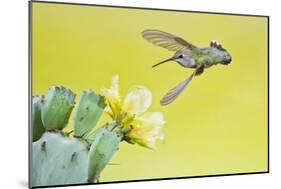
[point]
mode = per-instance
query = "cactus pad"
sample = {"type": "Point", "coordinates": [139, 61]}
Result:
{"type": "Point", "coordinates": [57, 108]}
{"type": "Point", "coordinates": [103, 147]}
{"type": "Point", "coordinates": [58, 160]}
{"type": "Point", "coordinates": [87, 112]}
{"type": "Point", "coordinates": [37, 125]}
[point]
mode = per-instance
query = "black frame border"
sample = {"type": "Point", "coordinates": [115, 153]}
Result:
{"type": "Point", "coordinates": [30, 26]}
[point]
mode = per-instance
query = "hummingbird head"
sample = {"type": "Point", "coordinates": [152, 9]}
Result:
{"type": "Point", "coordinates": [182, 58]}
{"type": "Point", "coordinates": [220, 54]}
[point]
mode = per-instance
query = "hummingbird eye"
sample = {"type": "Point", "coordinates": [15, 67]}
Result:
{"type": "Point", "coordinates": [180, 56]}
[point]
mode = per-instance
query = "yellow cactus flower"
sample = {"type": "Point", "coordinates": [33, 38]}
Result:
{"type": "Point", "coordinates": [143, 128]}
{"type": "Point", "coordinates": [112, 97]}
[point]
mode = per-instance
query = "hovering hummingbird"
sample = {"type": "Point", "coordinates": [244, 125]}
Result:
{"type": "Point", "coordinates": [188, 56]}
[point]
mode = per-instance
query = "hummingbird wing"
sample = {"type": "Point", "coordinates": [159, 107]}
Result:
{"type": "Point", "coordinates": [166, 40]}
{"type": "Point", "coordinates": [172, 94]}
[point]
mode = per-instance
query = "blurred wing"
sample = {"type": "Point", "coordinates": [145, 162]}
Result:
{"type": "Point", "coordinates": [167, 40]}
{"type": "Point", "coordinates": [176, 91]}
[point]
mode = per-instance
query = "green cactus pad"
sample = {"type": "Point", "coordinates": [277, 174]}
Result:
{"type": "Point", "coordinates": [59, 160]}
{"type": "Point", "coordinates": [57, 108]}
{"type": "Point", "coordinates": [37, 125]}
{"type": "Point", "coordinates": [87, 112]}
{"type": "Point", "coordinates": [103, 147]}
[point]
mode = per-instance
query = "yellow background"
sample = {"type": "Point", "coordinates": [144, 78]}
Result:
{"type": "Point", "coordinates": [217, 126]}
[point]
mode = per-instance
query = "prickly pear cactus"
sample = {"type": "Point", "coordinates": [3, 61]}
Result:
{"type": "Point", "coordinates": [58, 159]}
{"type": "Point", "coordinates": [79, 156]}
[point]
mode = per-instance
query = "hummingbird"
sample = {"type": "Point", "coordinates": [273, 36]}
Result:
{"type": "Point", "coordinates": [186, 55]}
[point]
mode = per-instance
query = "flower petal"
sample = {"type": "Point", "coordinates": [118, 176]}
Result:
{"type": "Point", "coordinates": [152, 119]}
{"type": "Point", "coordinates": [137, 100]}
{"type": "Point", "coordinates": [112, 96]}
{"type": "Point", "coordinates": [115, 86]}
{"type": "Point", "coordinates": [147, 129]}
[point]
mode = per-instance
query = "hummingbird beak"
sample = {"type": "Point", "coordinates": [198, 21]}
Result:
{"type": "Point", "coordinates": [167, 60]}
